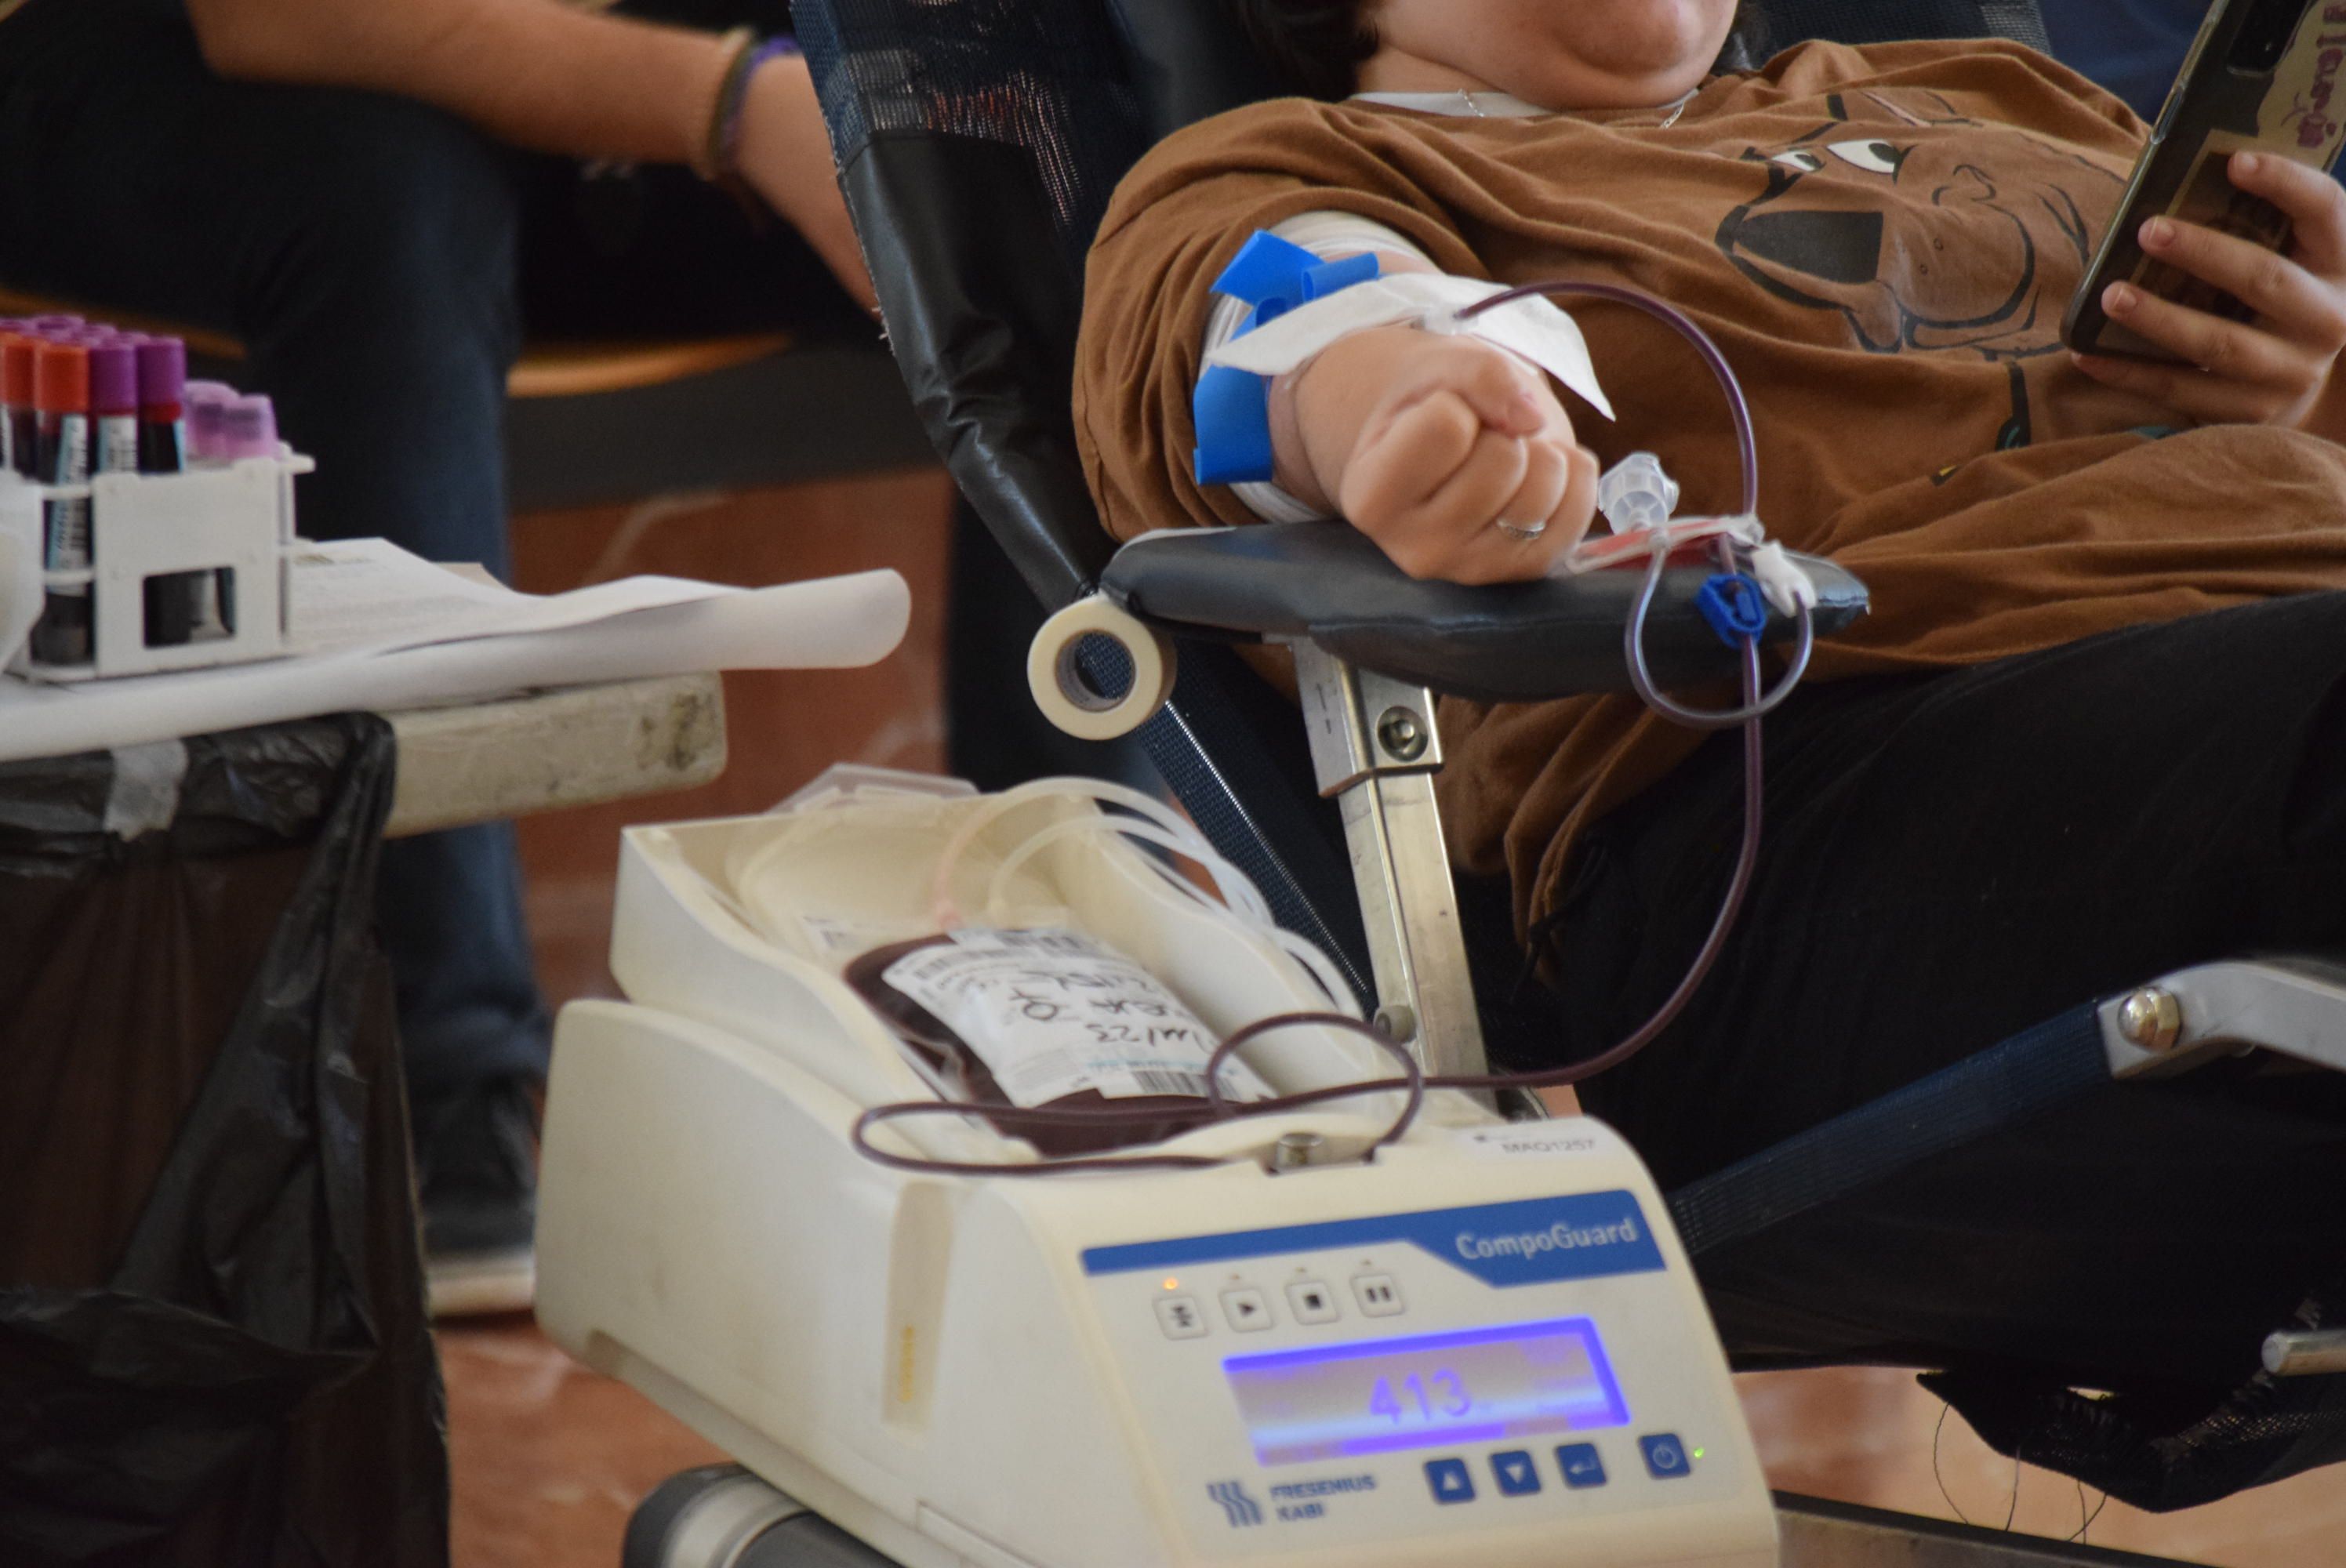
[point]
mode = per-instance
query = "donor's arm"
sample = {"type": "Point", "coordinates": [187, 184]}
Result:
{"type": "Point", "coordinates": [1455, 456]}
{"type": "Point", "coordinates": [556, 77]}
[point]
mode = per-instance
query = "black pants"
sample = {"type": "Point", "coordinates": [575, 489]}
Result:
{"type": "Point", "coordinates": [379, 262]}
{"type": "Point", "coordinates": [1949, 859]}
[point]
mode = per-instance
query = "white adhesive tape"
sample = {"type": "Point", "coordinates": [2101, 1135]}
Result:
{"type": "Point", "coordinates": [1060, 690]}
{"type": "Point", "coordinates": [145, 794]}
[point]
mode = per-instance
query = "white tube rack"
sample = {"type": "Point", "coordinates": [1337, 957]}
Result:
{"type": "Point", "coordinates": [236, 518]}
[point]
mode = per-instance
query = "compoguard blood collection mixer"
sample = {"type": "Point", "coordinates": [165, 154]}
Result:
{"type": "Point", "coordinates": [1482, 1347]}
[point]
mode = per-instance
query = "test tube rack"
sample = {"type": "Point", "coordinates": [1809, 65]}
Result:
{"type": "Point", "coordinates": [235, 521]}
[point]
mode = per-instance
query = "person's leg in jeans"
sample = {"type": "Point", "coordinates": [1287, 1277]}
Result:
{"type": "Point", "coordinates": [363, 248]}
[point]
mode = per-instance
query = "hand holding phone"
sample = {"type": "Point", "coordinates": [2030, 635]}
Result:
{"type": "Point", "coordinates": [2275, 360]}
{"type": "Point", "coordinates": [2219, 288]}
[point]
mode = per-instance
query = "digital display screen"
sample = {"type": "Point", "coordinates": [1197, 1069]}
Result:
{"type": "Point", "coordinates": [1477, 1385]}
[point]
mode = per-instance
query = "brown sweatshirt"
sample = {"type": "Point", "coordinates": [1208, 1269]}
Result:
{"type": "Point", "coordinates": [1883, 240]}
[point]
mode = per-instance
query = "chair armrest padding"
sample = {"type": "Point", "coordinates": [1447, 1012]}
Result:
{"type": "Point", "coordinates": [1517, 642]}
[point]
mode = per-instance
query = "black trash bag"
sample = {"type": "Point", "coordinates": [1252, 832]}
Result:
{"type": "Point", "coordinates": [213, 1343]}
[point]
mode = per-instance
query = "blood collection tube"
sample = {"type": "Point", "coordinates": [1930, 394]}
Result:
{"type": "Point", "coordinates": [175, 607]}
{"type": "Point", "coordinates": [205, 402]}
{"type": "Point", "coordinates": [16, 350]}
{"type": "Point", "coordinates": [113, 404]}
{"type": "Point", "coordinates": [162, 409]}
{"type": "Point", "coordinates": [8, 327]}
{"type": "Point", "coordinates": [61, 402]}
{"type": "Point", "coordinates": [114, 435]}
{"type": "Point", "coordinates": [248, 428]}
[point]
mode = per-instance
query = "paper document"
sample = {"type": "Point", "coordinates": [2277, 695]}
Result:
{"type": "Point", "coordinates": [369, 596]}
{"type": "Point", "coordinates": [376, 630]}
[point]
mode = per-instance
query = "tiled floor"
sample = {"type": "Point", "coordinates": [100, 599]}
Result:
{"type": "Point", "coordinates": [550, 1459]}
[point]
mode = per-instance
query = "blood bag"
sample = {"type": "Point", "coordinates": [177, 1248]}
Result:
{"type": "Point", "coordinates": [1047, 1017]}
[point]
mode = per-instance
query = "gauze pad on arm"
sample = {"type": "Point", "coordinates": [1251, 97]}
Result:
{"type": "Point", "coordinates": [1532, 329]}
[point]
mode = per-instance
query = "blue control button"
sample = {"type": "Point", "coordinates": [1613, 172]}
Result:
{"type": "Point", "coordinates": [1582, 1465]}
{"type": "Point", "coordinates": [1666, 1457]}
{"type": "Point", "coordinates": [1516, 1475]}
{"type": "Point", "coordinates": [1450, 1481]}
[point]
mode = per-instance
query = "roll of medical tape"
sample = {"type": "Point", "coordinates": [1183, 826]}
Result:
{"type": "Point", "coordinates": [1055, 677]}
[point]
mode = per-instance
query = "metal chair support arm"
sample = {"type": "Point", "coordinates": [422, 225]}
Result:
{"type": "Point", "coordinates": [2294, 1006]}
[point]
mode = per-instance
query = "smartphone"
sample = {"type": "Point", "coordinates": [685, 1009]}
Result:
{"type": "Point", "coordinates": [2263, 75]}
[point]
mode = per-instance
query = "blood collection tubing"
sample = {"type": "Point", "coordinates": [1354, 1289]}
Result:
{"type": "Point", "coordinates": [1754, 708]}
{"type": "Point", "coordinates": [1738, 409]}
{"type": "Point", "coordinates": [1415, 1083]}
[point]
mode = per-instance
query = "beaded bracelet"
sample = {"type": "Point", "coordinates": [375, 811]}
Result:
{"type": "Point", "coordinates": [721, 147]}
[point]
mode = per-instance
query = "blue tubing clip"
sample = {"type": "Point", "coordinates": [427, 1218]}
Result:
{"type": "Point", "coordinates": [1734, 606]}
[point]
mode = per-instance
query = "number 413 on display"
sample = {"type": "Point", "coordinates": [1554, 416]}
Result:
{"type": "Point", "coordinates": [1420, 1399]}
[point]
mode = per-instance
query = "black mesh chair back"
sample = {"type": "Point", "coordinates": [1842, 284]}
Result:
{"type": "Point", "coordinates": [979, 141]}
{"type": "Point", "coordinates": [1189, 61]}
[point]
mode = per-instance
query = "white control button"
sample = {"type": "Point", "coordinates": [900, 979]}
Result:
{"type": "Point", "coordinates": [1180, 1317]}
{"type": "Point", "coordinates": [1247, 1311]}
{"type": "Point", "coordinates": [1378, 1295]}
{"type": "Point", "coordinates": [1312, 1302]}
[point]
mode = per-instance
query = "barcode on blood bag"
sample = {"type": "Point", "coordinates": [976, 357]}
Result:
{"type": "Point", "coordinates": [1153, 1082]}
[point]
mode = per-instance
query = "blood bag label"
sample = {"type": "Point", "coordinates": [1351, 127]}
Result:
{"type": "Point", "coordinates": [1052, 1014]}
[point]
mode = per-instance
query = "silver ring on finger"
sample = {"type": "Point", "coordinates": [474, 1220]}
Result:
{"type": "Point", "coordinates": [1522, 533]}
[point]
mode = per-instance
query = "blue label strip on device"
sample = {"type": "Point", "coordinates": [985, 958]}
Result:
{"type": "Point", "coordinates": [1533, 1241]}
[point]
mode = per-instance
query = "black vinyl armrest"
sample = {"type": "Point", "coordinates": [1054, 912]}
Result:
{"type": "Point", "coordinates": [1518, 642]}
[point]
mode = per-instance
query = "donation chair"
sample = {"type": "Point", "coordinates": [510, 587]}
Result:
{"type": "Point", "coordinates": [979, 141]}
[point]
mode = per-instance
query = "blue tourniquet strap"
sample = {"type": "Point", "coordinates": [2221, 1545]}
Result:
{"type": "Point", "coordinates": [1231, 408]}
{"type": "Point", "coordinates": [1267, 268]}
{"type": "Point", "coordinates": [2001, 1088]}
